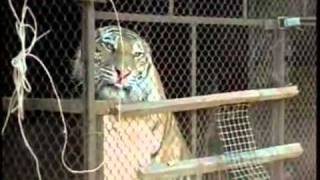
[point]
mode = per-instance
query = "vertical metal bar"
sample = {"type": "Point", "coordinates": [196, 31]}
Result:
{"type": "Point", "coordinates": [99, 145]}
{"type": "Point", "coordinates": [278, 111]}
{"type": "Point", "coordinates": [171, 7]}
{"type": "Point", "coordinates": [190, 4]}
{"type": "Point", "coordinates": [194, 85]}
{"type": "Point", "coordinates": [305, 8]}
{"type": "Point", "coordinates": [245, 9]}
{"type": "Point", "coordinates": [88, 47]}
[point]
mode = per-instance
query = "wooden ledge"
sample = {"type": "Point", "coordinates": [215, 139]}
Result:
{"type": "Point", "coordinates": [221, 162]}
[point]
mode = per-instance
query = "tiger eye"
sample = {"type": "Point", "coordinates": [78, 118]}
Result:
{"type": "Point", "coordinates": [108, 46]}
{"type": "Point", "coordinates": [138, 54]}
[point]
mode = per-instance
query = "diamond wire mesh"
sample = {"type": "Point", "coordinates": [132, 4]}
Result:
{"type": "Point", "coordinates": [43, 128]}
{"type": "Point", "coordinates": [300, 112]}
{"type": "Point", "coordinates": [228, 58]}
{"type": "Point", "coordinates": [274, 8]}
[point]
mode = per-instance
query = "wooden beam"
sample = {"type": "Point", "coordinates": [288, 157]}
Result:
{"type": "Point", "coordinates": [207, 101]}
{"type": "Point", "coordinates": [221, 162]}
{"type": "Point", "coordinates": [169, 105]}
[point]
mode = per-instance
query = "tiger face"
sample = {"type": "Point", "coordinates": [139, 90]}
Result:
{"type": "Point", "coordinates": [123, 66]}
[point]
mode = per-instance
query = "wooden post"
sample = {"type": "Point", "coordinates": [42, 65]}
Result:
{"type": "Point", "coordinates": [90, 122]}
{"type": "Point", "coordinates": [278, 108]}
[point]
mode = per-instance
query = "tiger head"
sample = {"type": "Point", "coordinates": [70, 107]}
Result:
{"type": "Point", "coordinates": [123, 67]}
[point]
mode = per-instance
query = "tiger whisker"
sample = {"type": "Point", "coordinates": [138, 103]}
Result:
{"type": "Point", "coordinates": [106, 71]}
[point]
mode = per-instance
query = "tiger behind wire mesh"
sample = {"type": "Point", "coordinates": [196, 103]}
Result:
{"type": "Point", "coordinates": [124, 71]}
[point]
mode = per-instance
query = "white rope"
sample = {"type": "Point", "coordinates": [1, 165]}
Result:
{"type": "Point", "coordinates": [22, 85]}
{"type": "Point", "coordinates": [20, 80]}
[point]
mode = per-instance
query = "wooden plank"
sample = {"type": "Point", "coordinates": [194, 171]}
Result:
{"type": "Point", "coordinates": [221, 162]}
{"type": "Point", "coordinates": [200, 102]}
{"type": "Point", "coordinates": [169, 105]}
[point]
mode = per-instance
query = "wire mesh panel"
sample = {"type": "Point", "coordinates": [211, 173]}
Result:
{"type": "Point", "coordinates": [301, 110]}
{"type": "Point", "coordinates": [43, 130]}
{"type": "Point", "coordinates": [220, 8]}
{"type": "Point", "coordinates": [273, 8]}
{"type": "Point", "coordinates": [235, 131]}
{"type": "Point", "coordinates": [192, 58]}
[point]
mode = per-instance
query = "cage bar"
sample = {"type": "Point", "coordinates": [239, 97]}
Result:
{"type": "Point", "coordinates": [91, 143]}
{"type": "Point", "coordinates": [101, 15]}
{"type": "Point", "coordinates": [193, 86]}
{"type": "Point", "coordinates": [278, 108]}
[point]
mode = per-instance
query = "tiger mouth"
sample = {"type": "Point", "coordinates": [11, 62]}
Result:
{"type": "Point", "coordinates": [118, 85]}
{"type": "Point", "coordinates": [118, 82]}
{"type": "Point", "coordinates": [121, 81]}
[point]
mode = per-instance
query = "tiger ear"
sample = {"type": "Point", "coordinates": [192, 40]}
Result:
{"type": "Point", "coordinates": [98, 32]}
{"type": "Point", "coordinates": [147, 47]}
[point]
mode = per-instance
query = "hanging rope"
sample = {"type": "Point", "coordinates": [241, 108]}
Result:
{"type": "Point", "coordinates": [22, 85]}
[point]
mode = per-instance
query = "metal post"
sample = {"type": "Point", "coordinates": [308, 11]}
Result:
{"type": "Point", "coordinates": [245, 9]}
{"type": "Point", "coordinates": [194, 86]}
{"type": "Point", "coordinates": [194, 91]}
{"type": "Point", "coordinates": [278, 108]}
{"type": "Point", "coordinates": [90, 121]}
{"type": "Point", "coordinates": [171, 7]}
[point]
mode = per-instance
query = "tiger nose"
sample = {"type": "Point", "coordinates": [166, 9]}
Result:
{"type": "Point", "coordinates": [123, 73]}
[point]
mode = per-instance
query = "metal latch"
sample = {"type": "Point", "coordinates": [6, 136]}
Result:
{"type": "Point", "coordinates": [286, 22]}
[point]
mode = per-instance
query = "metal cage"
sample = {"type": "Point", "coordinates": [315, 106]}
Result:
{"type": "Point", "coordinates": [199, 47]}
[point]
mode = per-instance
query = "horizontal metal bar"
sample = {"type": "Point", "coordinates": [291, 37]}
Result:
{"type": "Point", "coordinates": [74, 106]}
{"type": "Point", "coordinates": [169, 105]}
{"type": "Point", "coordinates": [49, 104]}
{"type": "Point", "coordinates": [101, 15]}
{"type": "Point", "coordinates": [308, 21]}
{"type": "Point", "coordinates": [221, 162]}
